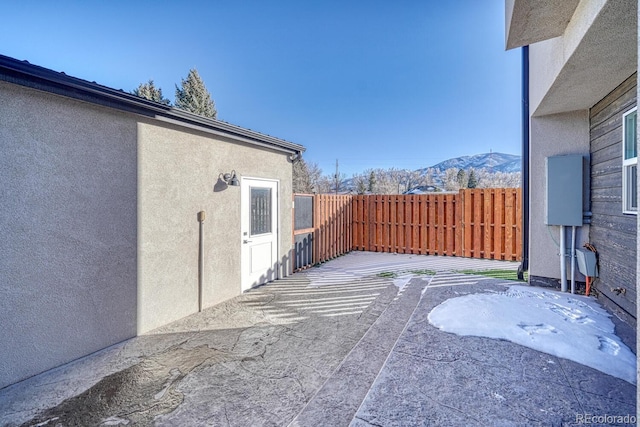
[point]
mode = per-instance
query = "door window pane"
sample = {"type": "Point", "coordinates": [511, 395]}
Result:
{"type": "Point", "coordinates": [260, 210]}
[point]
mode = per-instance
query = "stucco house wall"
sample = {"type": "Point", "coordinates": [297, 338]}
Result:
{"type": "Point", "coordinates": [68, 257]}
{"type": "Point", "coordinates": [178, 177]}
{"type": "Point", "coordinates": [563, 134]}
{"type": "Point", "coordinates": [100, 195]}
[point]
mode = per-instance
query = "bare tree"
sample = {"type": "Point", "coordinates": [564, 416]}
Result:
{"type": "Point", "coordinates": [487, 179]}
{"type": "Point", "coordinates": [430, 176]}
{"type": "Point", "coordinates": [360, 183]}
{"type": "Point", "coordinates": [385, 182]}
{"type": "Point", "coordinates": [315, 176]}
{"type": "Point", "coordinates": [450, 179]}
{"type": "Point", "coordinates": [307, 178]}
{"type": "Point", "coordinates": [301, 179]}
{"type": "Point", "coordinates": [324, 185]}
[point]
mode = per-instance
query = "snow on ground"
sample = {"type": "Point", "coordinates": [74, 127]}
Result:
{"type": "Point", "coordinates": [569, 326]}
{"type": "Point", "coordinates": [357, 266]}
{"type": "Point", "coordinates": [403, 279]}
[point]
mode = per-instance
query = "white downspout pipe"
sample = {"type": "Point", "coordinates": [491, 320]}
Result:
{"type": "Point", "coordinates": [573, 259]}
{"type": "Point", "coordinates": [563, 261]}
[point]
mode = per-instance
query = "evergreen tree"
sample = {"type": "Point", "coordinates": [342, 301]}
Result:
{"type": "Point", "coordinates": [473, 182]}
{"type": "Point", "coordinates": [151, 92]}
{"type": "Point", "coordinates": [372, 182]}
{"type": "Point", "coordinates": [193, 96]}
{"type": "Point", "coordinates": [462, 179]}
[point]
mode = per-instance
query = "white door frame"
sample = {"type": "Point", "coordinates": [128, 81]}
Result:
{"type": "Point", "coordinates": [249, 243]}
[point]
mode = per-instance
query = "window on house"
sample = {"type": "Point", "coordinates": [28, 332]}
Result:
{"type": "Point", "coordinates": [630, 162]}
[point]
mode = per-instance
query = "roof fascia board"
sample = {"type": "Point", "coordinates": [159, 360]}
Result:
{"type": "Point", "coordinates": [40, 78]}
{"type": "Point", "coordinates": [212, 131]}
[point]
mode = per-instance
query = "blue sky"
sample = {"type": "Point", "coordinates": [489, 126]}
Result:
{"type": "Point", "coordinates": [402, 84]}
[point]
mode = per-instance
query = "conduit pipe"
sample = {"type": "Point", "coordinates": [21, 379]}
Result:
{"type": "Point", "coordinates": [201, 216]}
{"type": "Point", "coordinates": [563, 261]}
{"type": "Point", "coordinates": [573, 259]}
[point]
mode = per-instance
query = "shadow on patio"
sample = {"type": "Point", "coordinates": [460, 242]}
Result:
{"type": "Point", "coordinates": [344, 343]}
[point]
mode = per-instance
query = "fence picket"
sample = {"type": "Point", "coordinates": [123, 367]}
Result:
{"type": "Point", "coordinates": [488, 224]}
{"type": "Point", "coordinates": [478, 223]}
{"type": "Point", "coordinates": [498, 237]}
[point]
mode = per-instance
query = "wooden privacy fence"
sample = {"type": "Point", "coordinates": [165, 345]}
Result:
{"type": "Point", "coordinates": [492, 223]}
{"type": "Point", "coordinates": [322, 228]}
{"type": "Point", "coordinates": [409, 224]}
{"type": "Point", "coordinates": [478, 223]}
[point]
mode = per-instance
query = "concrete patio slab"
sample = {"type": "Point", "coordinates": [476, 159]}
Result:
{"type": "Point", "coordinates": [437, 378]}
{"type": "Point", "coordinates": [344, 343]}
{"type": "Point", "coordinates": [336, 402]}
{"type": "Point", "coordinates": [255, 360]}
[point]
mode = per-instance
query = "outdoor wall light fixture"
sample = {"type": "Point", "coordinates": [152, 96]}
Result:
{"type": "Point", "coordinates": [294, 157]}
{"type": "Point", "coordinates": [231, 178]}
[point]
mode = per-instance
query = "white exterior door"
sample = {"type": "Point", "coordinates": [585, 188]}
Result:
{"type": "Point", "coordinates": [259, 231]}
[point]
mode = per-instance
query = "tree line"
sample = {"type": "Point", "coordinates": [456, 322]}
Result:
{"type": "Point", "coordinates": [191, 95]}
{"type": "Point", "coordinates": [308, 178]}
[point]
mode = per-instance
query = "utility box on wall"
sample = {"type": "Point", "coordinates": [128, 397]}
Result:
{"type": "Point", "coordinates": [564, 190]}
{"type": "Point", "coordinates": [587, 262]}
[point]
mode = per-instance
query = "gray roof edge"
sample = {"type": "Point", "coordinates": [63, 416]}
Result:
{"type": "Point", "coordinates": [26, 74]}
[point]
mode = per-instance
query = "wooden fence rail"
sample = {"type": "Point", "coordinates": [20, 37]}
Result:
{"type": "Point", "coordinates": [478, 223]}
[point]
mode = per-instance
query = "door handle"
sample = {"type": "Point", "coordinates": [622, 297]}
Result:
{"type": "Point", "coordinates": [247, 241]}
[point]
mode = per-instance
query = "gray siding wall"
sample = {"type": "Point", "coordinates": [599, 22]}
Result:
{"type": "Point", "coordinates": [612, 232]}
{"type": "Point", "coordinates": [67, 230]}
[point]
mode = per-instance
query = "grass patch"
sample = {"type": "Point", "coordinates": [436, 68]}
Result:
{"type": "Point", "coordinates": [394, 274]}
{"type": "Point", "coordinates": [423, 272]}
{"type": "Point", "coordinates": [388, 274]}
{"type": "Point", "coordinates": [497, 274]}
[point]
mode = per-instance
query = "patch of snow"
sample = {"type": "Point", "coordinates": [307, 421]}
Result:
{"type": "Point", "coordinates": [358, 266]}
{"type": "Point", "coordinates": [573, 327]}
{"type": "Point", "coordinates": [115, 421]}
{"type": "Point", "coordinates": [402, 280]}
{"type": "Point", "coordinates": [44, 423]}
{"type": "Point", "coordinates": [497, 396]}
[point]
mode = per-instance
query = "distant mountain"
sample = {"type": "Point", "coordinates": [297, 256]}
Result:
{"type": "Point", "coordinates": [494, 162]}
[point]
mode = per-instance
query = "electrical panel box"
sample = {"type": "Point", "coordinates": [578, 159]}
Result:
{"type": "Point", "coordinates": [564, 190]}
